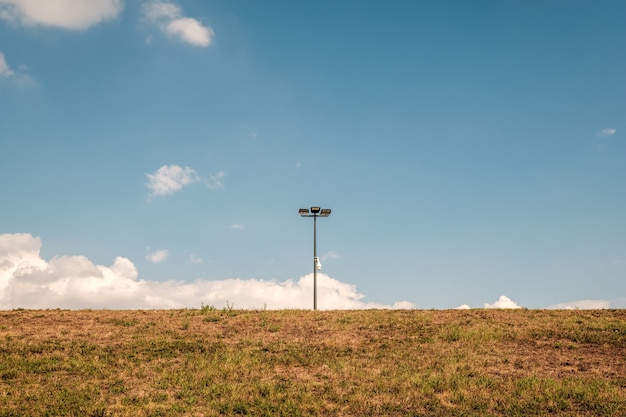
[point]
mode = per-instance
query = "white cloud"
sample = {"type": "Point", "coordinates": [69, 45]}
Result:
{"type": "Point", "coordinates": [605, 133]}
{"type": "Point", "coordinates": [169, 18]}
{"type": "Point", "coordinates": [503, 302]}
{"type": "Point", "coordinates": [157, 10]}
{"type": "Point", "coordinates": [28, 281]}
{"type": "Point", "coordinates": [190, 30]}
{"type": "Point", "coordinates": [158, 256]}
{"type": "Point", "coordinates": [170, 178]}
{"type": "Point", "coordinates": [237, 226]}
{"type": "Point", "coordinates": [5, 70]}
{"type": "Point", "coordinates": [16, 77]}
{"type": "Point", "coordinates": [66, 14]}
{"type": "Point", "coordinates": [582, 305]}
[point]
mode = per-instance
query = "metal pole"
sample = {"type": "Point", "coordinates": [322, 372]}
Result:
{"type": "Point", "coordinates": [314, 263]}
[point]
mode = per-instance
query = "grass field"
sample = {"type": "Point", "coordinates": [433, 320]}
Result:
{"type": "Point", "coordinates": [210, 362]}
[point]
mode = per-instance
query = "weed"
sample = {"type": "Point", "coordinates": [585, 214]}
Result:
{"type": "Point", "coordinates": [99, 412]}
{"type": "Point", "coordinates": [124, 322]}
{"type": "Point", "coordinates": [274, 328]}
{"type": "Point", "coordinates": [206, 309]}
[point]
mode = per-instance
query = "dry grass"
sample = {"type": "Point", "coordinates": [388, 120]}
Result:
{"type": "Point", "coordinates": [209, 362]}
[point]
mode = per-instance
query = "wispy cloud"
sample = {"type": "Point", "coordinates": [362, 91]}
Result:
{"type": "Point", "coordinates": [168, 17]}
{"type": "Point", "coordinates": [329, 255]}
{"type": "Point", "coordinates": [582, 305]}
{"type": "Point", "coordinates": [157, 256]}
{"type": "Point", "coordinates": [29, 281]}
{"type": "Point", "coordinates": [74, 15]}
{"type": "Point", "coordinates": [605, 133]}
{"type": "Point", "coordinates": [215, 180]}
{"type": "Point", "coordinates": [16, 77]}
{"type": "Point", "coordinates": [195, 259]}
{"type": "Point", "coordinates": [237, 226]}
{"type": "Point", "coordinates": [5, 70]}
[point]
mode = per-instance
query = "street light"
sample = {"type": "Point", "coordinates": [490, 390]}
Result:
{"type": "Point", "coordinates": [315, 213]}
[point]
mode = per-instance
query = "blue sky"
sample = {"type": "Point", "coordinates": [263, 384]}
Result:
{"type": "Point", "coordinates": [468, 151]}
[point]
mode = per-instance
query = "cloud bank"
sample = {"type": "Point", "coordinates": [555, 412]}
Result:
{"type": "Point", "coordinates": [74, 282]}
{"type": "Point", "coordinates": [66, 14]}
{"type": "Point", "coordinates": [168, 17]}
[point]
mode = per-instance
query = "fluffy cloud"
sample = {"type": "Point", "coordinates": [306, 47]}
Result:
{"type": "Point", "coordinates": [503, 302]}
{"type": "Point", "coordinates": [605, 133]}
{"type": "Point", "coordinates": [28, 281]}
{"type": "Point", "coordinates": [158, 256]}
{"type": "Point", "coordinates": [169, 18]}
{"type": "Point", "coordinates": [5, 70]}
{"type": "Point", "coordinates": [170, 178]}
{"type": "Point", "coordinates": [66, 14]}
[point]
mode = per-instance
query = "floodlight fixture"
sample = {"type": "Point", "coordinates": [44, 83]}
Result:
{"type": "Point", "coordinates": [315, 213]}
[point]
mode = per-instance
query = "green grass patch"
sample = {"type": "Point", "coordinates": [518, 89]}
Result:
{"type": "Point", "coordinates": [216, 362]}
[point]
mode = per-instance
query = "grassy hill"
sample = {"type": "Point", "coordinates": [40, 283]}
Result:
{"type": "Point", "coordinates": [209, 362]}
